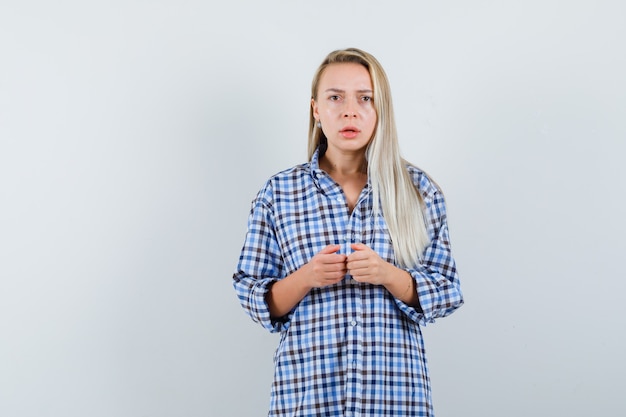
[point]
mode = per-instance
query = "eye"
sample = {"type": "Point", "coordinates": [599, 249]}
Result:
{"type": "Point", "coordinates": [334, 98]}
{"type": "Point", "coordinates": [367, 98]}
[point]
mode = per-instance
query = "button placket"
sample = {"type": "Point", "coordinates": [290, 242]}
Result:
{"type": "Point", "coordinates": [355, 352]}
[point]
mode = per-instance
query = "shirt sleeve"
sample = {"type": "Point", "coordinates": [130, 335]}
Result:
{"type": "Point", "coordinates": [436, 278]}
{"type": "Point", "coordinates": [260, 264]}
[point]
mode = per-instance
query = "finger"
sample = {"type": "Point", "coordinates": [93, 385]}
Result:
{"type": "Point", "coordinates": [334, 267]}
{"type": "Point", "coordinates": [355, 266]}
{"type": "Point", "coordinates": [356, 256]}
{"type": "Point", "coordinates": [332, 260]}
{"type": "Point", "coordinates": [332, 278]}
{"type": "Point", "coordinates": [337, 258]}
{"type": "Point", "coordinates": [330, 249]}
{"type": "Point", "coordinates": [358, 246]}
{"type": "Point", "coordinates": [360, 274]}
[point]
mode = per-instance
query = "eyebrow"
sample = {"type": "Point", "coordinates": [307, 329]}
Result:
{"type": "Point", "coordinates": [338, 90]}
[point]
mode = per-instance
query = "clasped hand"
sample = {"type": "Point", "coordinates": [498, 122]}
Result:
{"type": "Point", "coordinates": [328, 267]}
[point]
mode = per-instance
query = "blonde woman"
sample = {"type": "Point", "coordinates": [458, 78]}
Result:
{"type": "Point", "coordinates": [347, 255]}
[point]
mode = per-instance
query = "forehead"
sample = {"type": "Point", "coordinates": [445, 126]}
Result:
{"type": "Point", "coordinates": [345, 76]}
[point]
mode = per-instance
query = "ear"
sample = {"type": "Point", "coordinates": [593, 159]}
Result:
{"type": "Point", "coordinates": [316, 113]}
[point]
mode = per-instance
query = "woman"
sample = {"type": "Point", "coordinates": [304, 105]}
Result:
{"type": "Point", "coordinates": [347, 255]}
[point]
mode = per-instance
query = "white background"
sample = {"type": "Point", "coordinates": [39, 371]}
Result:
{"type": "Point", "coordinates": [134, 134]}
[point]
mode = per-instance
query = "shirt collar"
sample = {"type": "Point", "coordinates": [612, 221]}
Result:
{"type": "Point", "coordinates": [315, 161]}
{"type": "Point", "coordinates": [317, 173]}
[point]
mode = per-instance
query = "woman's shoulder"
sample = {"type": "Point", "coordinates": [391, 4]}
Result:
{"type": "Point", "coordinates": [295, 171]}
{"type": "Point", "coordinates": [290, 175]}
{"type": "Point", "coordinates": [285, 181]}
{"type": "Point", "coordinates": [422, 181]}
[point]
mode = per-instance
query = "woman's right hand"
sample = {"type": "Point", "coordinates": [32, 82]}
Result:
{"type": "Point", "coordinates": [326, 268]}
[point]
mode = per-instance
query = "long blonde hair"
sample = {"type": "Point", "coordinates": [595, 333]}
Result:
{"type": "Point", "coordinates": [394, 194]}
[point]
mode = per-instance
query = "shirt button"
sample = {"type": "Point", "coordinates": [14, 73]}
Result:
{"type": "Point", "coordinates": [353, 323]}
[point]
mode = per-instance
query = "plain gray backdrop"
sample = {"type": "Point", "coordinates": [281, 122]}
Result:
{"type": "Point", "coordinates": [134, 134]}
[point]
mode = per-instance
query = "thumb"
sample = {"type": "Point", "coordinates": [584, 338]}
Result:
{"type": "Point", "coordinates": [330, 249]}
{"type": "Point", "coordinates": [358, 246]}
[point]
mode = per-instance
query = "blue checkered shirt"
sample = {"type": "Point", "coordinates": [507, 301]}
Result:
{"type": "Point", "coordinates": [350, 349]}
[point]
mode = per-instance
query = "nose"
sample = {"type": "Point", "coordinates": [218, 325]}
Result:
{"type": "Point", "coordinates": [349, 112]}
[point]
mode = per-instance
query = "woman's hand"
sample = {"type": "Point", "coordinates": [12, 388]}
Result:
{"type": "Point", "coordinates": [327, 267]}
{"type": "Point", "coordinates": [365, 265]}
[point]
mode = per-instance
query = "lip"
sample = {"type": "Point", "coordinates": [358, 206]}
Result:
{"type": "Point", "coordinates": [350, 132]}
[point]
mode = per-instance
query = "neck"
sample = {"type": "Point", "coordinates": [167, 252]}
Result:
{"type": "Point", "coordinates": [344, 164]}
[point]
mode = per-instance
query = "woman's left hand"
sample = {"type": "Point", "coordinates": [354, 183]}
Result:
{"type": "Point", "coordinates": [365, 265]}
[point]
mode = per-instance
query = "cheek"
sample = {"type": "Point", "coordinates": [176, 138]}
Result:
{"type": "Point", "coordinates": [369, 112]}
{"type": "Point", "coordinates": [371, 117]}
{"type": "Point", "coordinates": [329, 112]}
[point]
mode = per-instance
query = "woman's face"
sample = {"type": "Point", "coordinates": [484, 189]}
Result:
{"type": "Point", "coordinates": [345, 107]}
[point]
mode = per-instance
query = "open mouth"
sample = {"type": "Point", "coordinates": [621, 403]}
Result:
{"type": "Point", "coordinates": [349, 132]}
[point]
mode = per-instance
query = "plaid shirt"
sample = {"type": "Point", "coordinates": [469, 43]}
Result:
{"type": "Point", "coordinates": [350, 349]}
